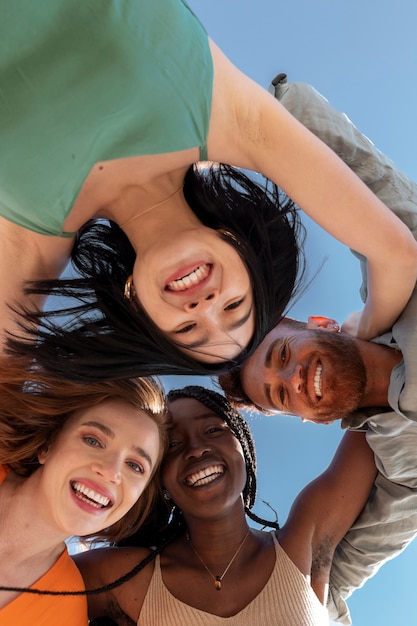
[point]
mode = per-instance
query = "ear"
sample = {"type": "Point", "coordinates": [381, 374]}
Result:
{"type": "Point", "coordinates": [317, 321]}
{"type": "Point", "coordinates": [42, 456]}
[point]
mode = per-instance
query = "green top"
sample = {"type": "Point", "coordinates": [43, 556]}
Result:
{"type": "Point", "coordinates": [83, 81]}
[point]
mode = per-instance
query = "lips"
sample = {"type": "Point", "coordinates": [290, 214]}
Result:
{"type": "Point", "coordinates": [204, 476]}
{"type": "Point", "coordinates": [90, 496]}
{"type": "Point", "coordinates": [191, 279]}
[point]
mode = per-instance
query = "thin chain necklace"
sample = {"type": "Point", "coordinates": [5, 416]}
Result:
{"type": "Point", "coordinates": [218, 579]}
{"type": "Point", "coordinates": [154, 206]}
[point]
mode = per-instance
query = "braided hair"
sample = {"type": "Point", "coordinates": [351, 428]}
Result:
{"type": "Point", "coordinates": [165, 522]}
{"type": "Point", "coordinates": [239, 427]}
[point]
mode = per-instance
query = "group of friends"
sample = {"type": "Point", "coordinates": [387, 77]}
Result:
{"type": "Point", "coordinates": [183, 264]}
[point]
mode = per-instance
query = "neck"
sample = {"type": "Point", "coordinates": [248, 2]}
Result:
{"type": "Point", "coordinates": [213, 537]}
{"type": "Point", "coordinates": [157, 221]}
{"type": "Point", "coordinates": [379, 362]}
{"type": "Point", "coordinates": [23, 539]}
{"type": "Point", "coordinates": [143, 211]}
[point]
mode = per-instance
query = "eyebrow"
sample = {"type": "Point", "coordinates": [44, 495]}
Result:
{"type": "Point", "coordinates": [268, 356]}
{"type": "Point", "coordinates": [267, 389]}
{"type": "Point", "coordinates": [237, 324]}
{"type": "Point", "coordinates": [203, 416]}
{"type": "Point", "coordinates": [107, 431]}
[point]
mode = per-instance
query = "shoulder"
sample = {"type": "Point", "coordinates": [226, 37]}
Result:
{"type": "Point", "coordinates": [103, 566]}
{"type": "Point", "coordinates": [255, 123]}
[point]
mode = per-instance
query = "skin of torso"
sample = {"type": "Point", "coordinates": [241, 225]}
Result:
{"type": "Point", "coordinates": [185, 577]}
{"type": "Point", "coordinates": [249, 129]}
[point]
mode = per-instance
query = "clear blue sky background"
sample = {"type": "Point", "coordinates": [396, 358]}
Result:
{"type": "Point", "coordinates": [362, 55]}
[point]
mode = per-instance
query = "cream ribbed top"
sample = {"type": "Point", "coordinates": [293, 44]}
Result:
{"type": "Point", "coordinates": [286, 600]}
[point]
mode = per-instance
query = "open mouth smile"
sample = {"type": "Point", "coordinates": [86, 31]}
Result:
{"type": "Point", "coordinates": [317, 381]}
{"type": "Point", "coordinates": [91, 497]}
{"type": "Point", "coordinates": [204, 476]}
{"type": "Point", "coordinates": [198, 275]}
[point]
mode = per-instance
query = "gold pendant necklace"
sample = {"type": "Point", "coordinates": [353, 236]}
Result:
{"type": "Point", "coordinates": [218, 579]}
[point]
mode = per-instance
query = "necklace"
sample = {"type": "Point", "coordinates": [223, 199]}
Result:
{"type": "Point", "coordinates": [154, 206]}
{"type": "Point", "coordinates": [218, 579]}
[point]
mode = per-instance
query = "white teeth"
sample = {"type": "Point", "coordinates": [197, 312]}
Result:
{"type": "Point", "coordinates": [192, 278]}
{"type": "Point", "coordinates": [204, 476]}
{"type": "Point", "coordinates": [317, 381]}
{"type": "Point", "coordinates": [90, 496]}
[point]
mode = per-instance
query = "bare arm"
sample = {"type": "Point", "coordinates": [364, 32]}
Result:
{"type": "Point", "coordinates": [326, 508]}
{"type": "Point", "coordinates": [264, 137]}
{"type": "Point", "coordinates": [24, 256]}
{"type": "Point", "coordinates": [100, 567]}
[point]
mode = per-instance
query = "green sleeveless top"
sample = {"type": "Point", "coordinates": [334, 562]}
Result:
{"type": "Point", "coordinates": [83, 81]}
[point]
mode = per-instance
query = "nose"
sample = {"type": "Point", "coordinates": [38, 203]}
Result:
{"type": "Point", "coordinates": [108, 467]}
{"type": "Point", "coordinates": [203, 303]}
{"type": "Point", "coordinates": [294, 377]}
{"type": "Point", "coordinates": [196, 448]}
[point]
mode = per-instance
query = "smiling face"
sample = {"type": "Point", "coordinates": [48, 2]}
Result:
{"type": "Point", "coordinates": [204, 464]}
{"type": "Point", "coordinates": [196, 289]}
{"type": "Point", "coordinates": [98, 466]}
{"type": "Point", "coordinates": [315, 374]}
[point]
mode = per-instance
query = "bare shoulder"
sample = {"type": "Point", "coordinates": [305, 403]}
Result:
{"type": "Point", "coordinates": [41, 256]}
{"type": "Point", "coordinates": [100, 567]}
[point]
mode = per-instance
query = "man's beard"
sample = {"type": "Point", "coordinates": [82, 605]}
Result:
{"type": "Point", "coordinates": [344, 372]}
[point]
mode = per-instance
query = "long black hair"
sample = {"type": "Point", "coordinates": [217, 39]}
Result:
{"type": "Point", "coordinates": [101, 335]}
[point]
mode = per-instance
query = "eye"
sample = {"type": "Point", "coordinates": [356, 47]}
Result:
{"type": "Point", "coordinates": [213, 429]}
{"type": "Point", "coordinates": [283, 353]}
{"type": "Point", "coordinates": [186, 329]}
{"type": "Point", "coordinates": [282, 395]}
{"type": "Point", "coordinates": [173, 444]}
{"type": "Point", "coordinates": [136, 467]}
{"type": "Point", "coordinates": [234, 305]}
{"type": "Point", "coordinates": [92, 441]}
{"type": "Point", "coordinates": [217, 427]}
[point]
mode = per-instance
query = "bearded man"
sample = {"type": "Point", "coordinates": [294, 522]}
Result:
{"type": "Point", "coordinates": [320, 374]}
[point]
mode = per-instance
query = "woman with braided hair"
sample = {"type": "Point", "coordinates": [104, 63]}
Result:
{"type": "Point", "coordinates": [74, 460]}
{"type": "Point", "coordinates": [209, 566]}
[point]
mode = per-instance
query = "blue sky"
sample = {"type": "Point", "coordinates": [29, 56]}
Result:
{"type": "Point", "coordinates": [362, 56]}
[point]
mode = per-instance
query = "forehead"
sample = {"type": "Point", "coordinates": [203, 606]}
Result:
{"type": "Point", "coordinates": [119, 417]}
{"type": "Point", "coordinates": [184, 410]}
{"type": "Point", "coordinates": [286, 329]}
{"type": "Point", "coordinates": [111, 409]}
{"type": "Point", "coordinates": [281, 331]}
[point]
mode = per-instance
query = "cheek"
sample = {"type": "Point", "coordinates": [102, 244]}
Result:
{"type": "Point", "coordinates": [133, 493]}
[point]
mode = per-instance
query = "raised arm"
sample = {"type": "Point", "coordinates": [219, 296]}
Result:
{"type": "Point", "coordinates": [266, 138]}
{"type": "Point", "coordinates": [326, 508]}
{"type": "Point", "coordinates": [396, 190]}
{"type": "Point", "coordinates": [388, 522]}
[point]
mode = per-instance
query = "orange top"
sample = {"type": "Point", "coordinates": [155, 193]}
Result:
{"type": "Point", "coordinates": [41, 610]}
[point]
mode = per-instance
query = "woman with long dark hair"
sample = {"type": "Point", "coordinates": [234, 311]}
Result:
{"type": "Point", "coordinates": [104, 108]}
